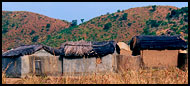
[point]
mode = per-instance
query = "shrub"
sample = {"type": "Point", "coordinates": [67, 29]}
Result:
{"type": "Point", "coordinates": [153, 23]}
{"type": "Point", "coordinates": [5, 30]}
{"type": "Point", "coordinates": [122, 11]}
{"type": "Point", "coordinates": [186, 18]}
{"type": "Point", "coordinates": [153, 33]}
{"type": "Point", "coordinates": [178, 31]}
{"type": "Point", "coordinates": [22, 31]}
{"type": "Point", "coordinates": [185, 28]}
{"type": "Point", "coordinates": [113, 36]}
{"type": "Point", "coordinates": [124, 16]}
{"type": "Point", "coordinates": [12, 25]}
{"type": "Point", "coordinates": [48, 26]}
{"type": "Point", "coordinates": [74, 23]}
{"type": "Point", "coordinates": [146, 31]}
{"type": "Point", "coordinates": [153, 8]}
{"type": "Point", "coordinates": [35, 38]}
{"type": "Point", "coordinates": [9, 48]}
{"type": "Point", "coordinates": [32, 32]}
{"type": "Point", "coordinates": [184, 9]}
{"type": "Point", "coordinates": [116, 16]}
{"type": "Point", "coordinates": [129, 24]}
{"type": "Point", "coordinates": [107, 26]}
{"type": "Point", "coordinates": [164, 23]}
{"type": "Point", "coordinates": [82, 20]}
{"type": "Point", "coordinates": [186, 37]}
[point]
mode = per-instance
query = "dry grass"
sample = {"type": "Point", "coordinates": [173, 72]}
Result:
{"type": "Point", "coordinates": [148, 76]}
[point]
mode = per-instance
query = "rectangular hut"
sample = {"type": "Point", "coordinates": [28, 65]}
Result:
{"type": "Point", "coordinates": [158, 51]}
{"type": "Point", "coordinates": [83, 57]}
{"type": "Point", "coordinates": [31, 59]}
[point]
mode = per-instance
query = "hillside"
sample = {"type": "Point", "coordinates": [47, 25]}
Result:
{"type": "Point", "coordinates": [30, 28]}
{"type": "Point", "coordinates": [123, 25]}
{"type": "Point", "coordinates": [22, 28]}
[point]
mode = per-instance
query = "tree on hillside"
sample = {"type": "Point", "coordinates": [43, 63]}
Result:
{"type": "Point", "coordinates": [118, 10]}
{"type": "Point", "coordinates": [153, 8]}
{"type": "Point", "coordinates": [82, 20]}
{"type": "Point", "coordinates": [124, 16]}
{"type": "Point", "coordinates": [107, 26]}
{"type": "Point", "coordinates": [4, 30]}
{"type": "Point", "coordinates": [122, 11]}
{"type": "Point", "coordinates": [74, 23]}
{"type": "Point", "coordinates": [35, 38]}
{"type": "Point", "coordinates": [48, 26]}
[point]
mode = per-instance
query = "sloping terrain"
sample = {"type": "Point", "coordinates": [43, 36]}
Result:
{"type": "Point", "coordinates": [123, 25]}
{"type": "Point", "coordinates": [21, 27]}
{"type": "Point", "coordinates": [31, 28]}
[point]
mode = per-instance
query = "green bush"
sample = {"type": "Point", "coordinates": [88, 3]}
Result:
{"type": "Point", "coordinates": [178, 31]}
{"type": "Point", "coordinates": [164, 23]}
{"type": "Point", "coordinates": [32, 32]}
{"type": "Point", "coordinates": [82, 20]}
{"type": "Point", "coordinates": [5, 30]}
{"type": "Point", "coordinates": [181, 21]}
{"type": "Point", "coordinates": [122, 11]}
{"type": "Point", "coordinates": [185, 28]}
{"type": "Point", "coordinates": [107, 26]}
{"type": "Point", "coordinates": [186, 18]}
{"type": "Point", "coordinates": [124, 16]}
{"type": "Point", "coordinates": [74, 23]}
{"type": "Point", "coordinates": [22, 31]}
{"type": "Point", "coordinates": [48, 26]}
{"type": "Point", "coordinates": [153, 23]}
{"type": "Point", "coordinates": [153, 33]}
{"type": "Point", "coordinates": [129, 24]}
{"type": "Point", "coordinates": [153, 8]}
{"type": "Point", "coordinates": [176, 13]}
{"type": "Point", "coordinates": [186, 37]}
{"type": "Point", "coordinates": [35, 38]}
{"type": "Point", "coordinates": [146, 31]}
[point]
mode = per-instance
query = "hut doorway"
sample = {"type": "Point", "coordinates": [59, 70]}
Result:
{"type": "Point", "coordinates": [35, 65]}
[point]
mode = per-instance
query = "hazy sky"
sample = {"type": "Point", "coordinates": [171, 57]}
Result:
{"type": "Point", "coordinates": [79, 10]}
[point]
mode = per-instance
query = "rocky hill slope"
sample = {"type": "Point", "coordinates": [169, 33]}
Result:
{"type": "Point", "coordinates": [21, 28]}
{"type": "Point", "coordinates": [123, 25]}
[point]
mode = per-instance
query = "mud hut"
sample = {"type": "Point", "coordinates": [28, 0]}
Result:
{"type": "Point", "coordinates": [30, 59]}
{"type": "Point", "coordinates": [88, 57]}
{"type": "Point", "coordinates": [125, 60]}
{"type": "Point", "coordinates": [158, 51]}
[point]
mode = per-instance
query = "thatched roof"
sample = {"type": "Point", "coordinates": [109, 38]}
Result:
{"type": "Point", "coordinates": [157, 43]}
{"type": "Point", "coordinates": [83, 48]}
{"type": "Point", "coordinates": [79, 48]}
{"type": "Point", "coordinates": [22, 50]}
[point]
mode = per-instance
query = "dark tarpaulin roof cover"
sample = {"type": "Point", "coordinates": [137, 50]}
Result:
{"type": "Point", "coordinates": [51, 50]}
{"type": "Point", "coordinates": [22, 50]}
{"type": "Point", "coordinates": [98, 49]}
{"type": "Point", "coordinates": [157, 42]}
